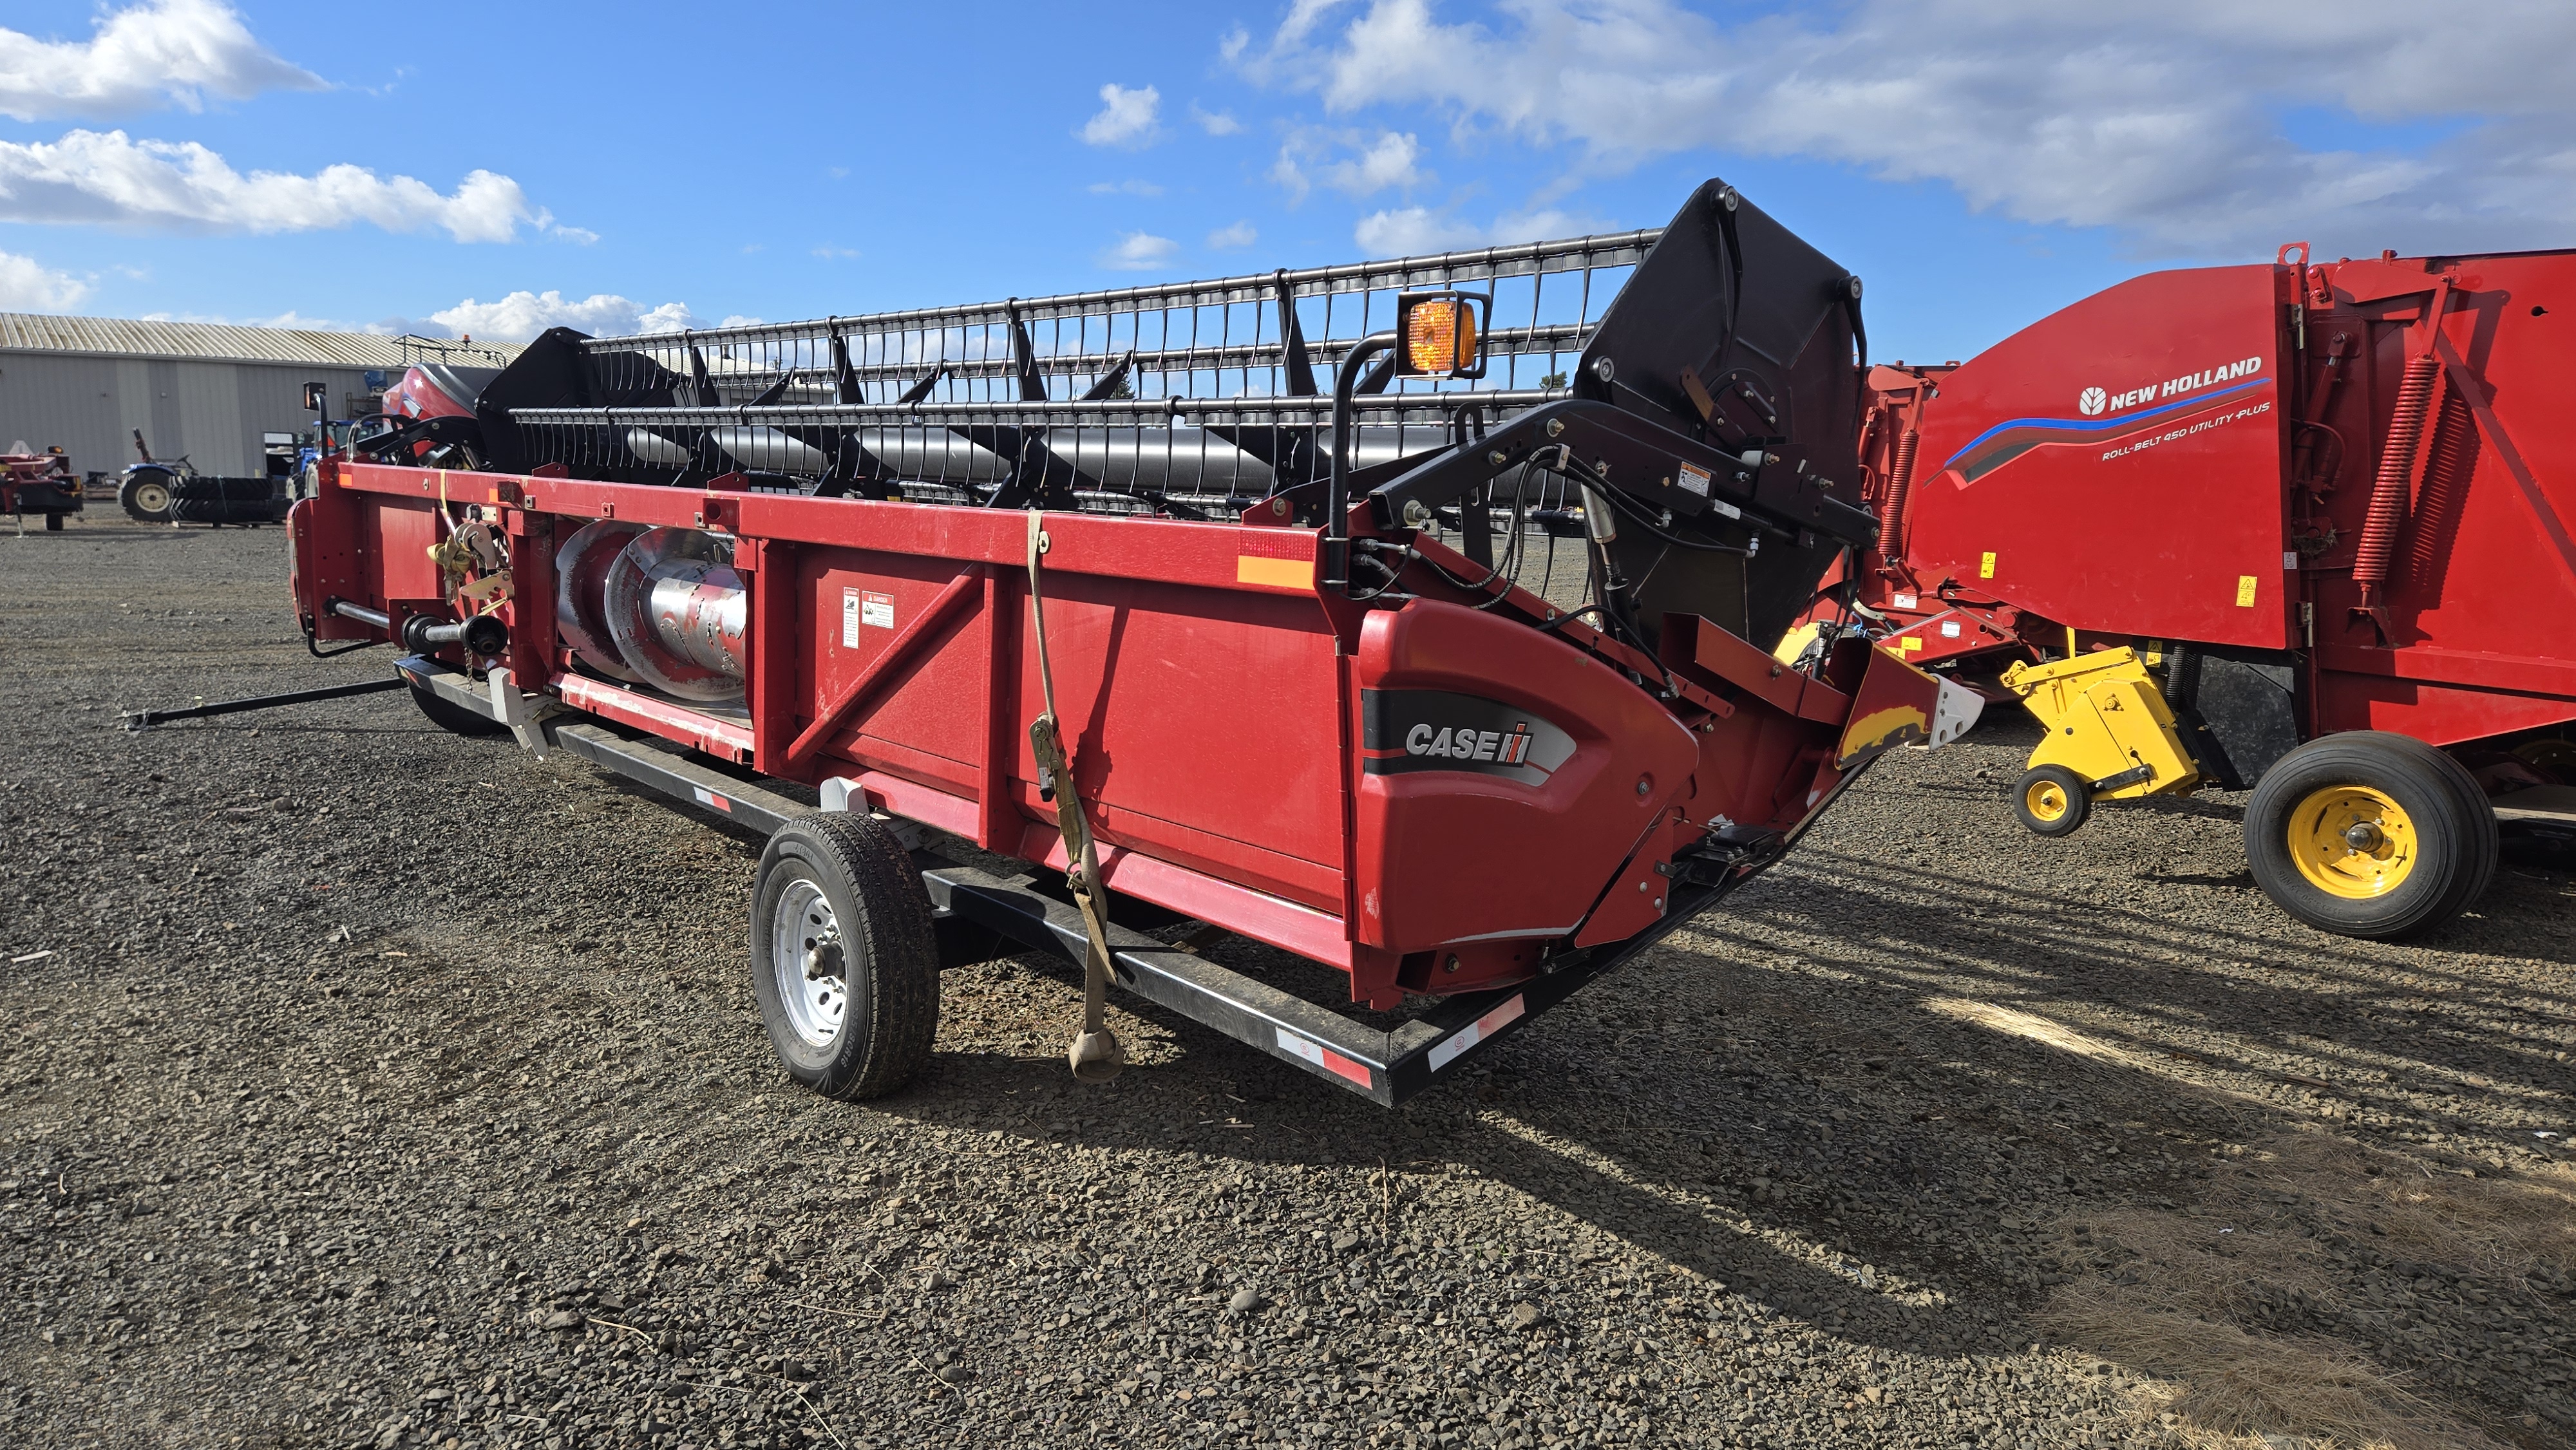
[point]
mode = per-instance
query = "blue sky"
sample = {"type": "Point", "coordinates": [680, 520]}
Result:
{"type": "Point", "coordinates": [1979, 162]}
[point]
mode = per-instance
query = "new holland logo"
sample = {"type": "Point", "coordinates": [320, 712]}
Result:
{"type": "Point", "coordinates": [1503, 747]}
{"type": "Point", "coordinates": [2094, 402]}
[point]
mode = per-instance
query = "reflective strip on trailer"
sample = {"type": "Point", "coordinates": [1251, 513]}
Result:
{"type": "Point", "coordinates": [1445, 1051]}
{"type": "Point", "coordinates": [1323, 1057]}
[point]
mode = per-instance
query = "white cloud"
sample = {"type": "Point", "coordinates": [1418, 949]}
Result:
{"type": "Point", "coordinates": [2164, 122]}
{"type": "Point", "coordinates": [1227, 239]}
{"type": "Point", "coordinates": [1389, 161]}
{"type": "Point", "coordinates": [522, 315]}
{"type": "Point", "coordinates": [835, 254]}
{"type": "Point", "coordinates": [106, 178]}
{"type": "Point", "coordinates": [1125, 188]}
{"type": "Point", "coordinates": [1126, 117]}
{"type": "Point", "coordinates": [27, 285]}
{"type": "Point", "coordinates": [1392, 159]}
{"type": "Point", "coordinates": [1215, 123]}
{"type": "Point", "coordinates": [1413, 230]}
{"type": "Point", "coordinates": [1140, 252]}
{"type": "Point", "coordinates": [160, 52]}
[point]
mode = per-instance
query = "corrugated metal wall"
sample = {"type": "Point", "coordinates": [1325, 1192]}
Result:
{"type": "Point", "coordinates": [213, 412]}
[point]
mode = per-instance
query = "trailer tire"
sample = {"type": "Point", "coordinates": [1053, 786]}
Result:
{"type": "Point", "coordinates": [2052, 800]}
{"type": "Point", "coordinates": [836, 888]}
{"type": "Point", "coordinates": [145, 495]}
{"type": "Point", "coordinates": [453, 718]}
{"type": "Point", "coordinates": [2369, 834]}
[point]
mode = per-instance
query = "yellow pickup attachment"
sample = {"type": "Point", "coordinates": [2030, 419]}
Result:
{"type": "Point", "coordinates": [2110, 737]}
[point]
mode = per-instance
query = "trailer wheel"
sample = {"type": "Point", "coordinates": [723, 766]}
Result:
{"type": "Point", "coordinates": [842, 956]}
{"type": "Point", "coordinates": [2368, 834]}
{"type": "Point", "coordinates": [145, 496]}
{"type": "Point", "coordinates": [453, 718]}
{"type": "Point", "coordinates": [2052, 800]}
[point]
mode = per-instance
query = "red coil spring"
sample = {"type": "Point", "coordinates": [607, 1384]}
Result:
{"type": "Point", "coordinates": [2388, 491]}
{"type": "Point", "coordinates": [1892, 510]}
{"type": "Point", "coordinates": [2446, 476]}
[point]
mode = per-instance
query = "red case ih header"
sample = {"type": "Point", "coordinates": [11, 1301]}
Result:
{"type": "Point", "coordinates": [1273, 621]}
{"type": "Point", "coordinates": [2286, 527]}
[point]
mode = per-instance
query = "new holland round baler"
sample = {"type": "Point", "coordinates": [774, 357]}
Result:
{"type": "Point", "coordinates": [2303, 528]}
{"type": "Point", "coordinates": [1224, 602]}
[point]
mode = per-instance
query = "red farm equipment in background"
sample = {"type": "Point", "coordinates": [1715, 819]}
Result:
{"type": "Point", "coordinates": [1216, 602]}
{"type": "Point", "coordinates": [2303, 528]}
{"type": "Point", "coordinates": [39, 483]}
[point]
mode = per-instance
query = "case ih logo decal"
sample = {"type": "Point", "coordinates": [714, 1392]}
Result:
{"type": "Point", "coordinates": [1402, 731]}
{"type": "Point", "coordinates": [1508, 748]}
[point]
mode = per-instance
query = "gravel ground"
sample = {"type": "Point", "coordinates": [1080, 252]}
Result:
{"type": "Point", "coordinates": [364, 1085]}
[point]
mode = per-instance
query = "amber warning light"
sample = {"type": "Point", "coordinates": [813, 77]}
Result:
{"type": "Point", "coordinates": [1440, 334]}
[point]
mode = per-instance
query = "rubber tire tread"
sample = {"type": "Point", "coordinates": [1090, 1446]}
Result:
{"type": "Point", "coordinates": [2079, 801]}
{"type": "Point", "coordinates": [2453, 822]}
{"type": "Point", "coordinates": [453, 718]}
{"type": "Point", "coordinates": [881, 906]}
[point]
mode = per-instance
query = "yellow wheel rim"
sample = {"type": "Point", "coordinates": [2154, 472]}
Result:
{"type": "Point", "coordinates": [2352, 841]}
{"type": "Point", "coordinates": [2046, 800]}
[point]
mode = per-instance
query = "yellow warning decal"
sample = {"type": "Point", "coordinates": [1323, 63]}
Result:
{"type": "Point", "coordinates": [1986, 566]}
{"type": "Point", "coordinates": [2244, 591]}
{"type": "Point", "coordinates": [1274, 573]}
{"type": "Point", "coordinates": [1908, 645]}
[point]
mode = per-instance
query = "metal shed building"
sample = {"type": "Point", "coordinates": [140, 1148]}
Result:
{"type": "Point", "coordinates": [199, 389]}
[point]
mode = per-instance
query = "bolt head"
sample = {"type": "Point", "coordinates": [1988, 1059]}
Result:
{"type": "Point", "coordinates": [2364, 836]}
{"type": "Point", "coordinates": [1644, 784]}
{"type": "Point", "coordinates": [1555, 427]}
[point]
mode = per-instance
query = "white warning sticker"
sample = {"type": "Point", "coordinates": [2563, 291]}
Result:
{"type": "Point", "coordinates": [876, 611]}
{"type": "Point", "coordinates": [1905, 601]}
{"type": "Point", "coordinates": [1695, 479]}
{"type": "Point", "coordinates": [849, 619]}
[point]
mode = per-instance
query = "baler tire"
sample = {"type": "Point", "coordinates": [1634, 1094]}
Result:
{"type": "Point", "coordinates": [453, 718]}
{"type": "Point", "coordinates": [2432, 821]}
{"type": "Point", "coordinates": [845, 878]}
{"type": "Point", "coordinates": [53, 523]}
{"type": "Point", "coordinates": [2052, 800]}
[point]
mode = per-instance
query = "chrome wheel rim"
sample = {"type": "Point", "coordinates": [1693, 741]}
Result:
{"type": "Point", "coordinates": [808, 965]}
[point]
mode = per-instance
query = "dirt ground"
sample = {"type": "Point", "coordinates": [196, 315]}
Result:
{"type": "Point", "coordinates": [360, 1084]}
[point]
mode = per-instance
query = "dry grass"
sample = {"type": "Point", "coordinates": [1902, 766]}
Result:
{"type": "Point", "coordinates": [2238, 1297]}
